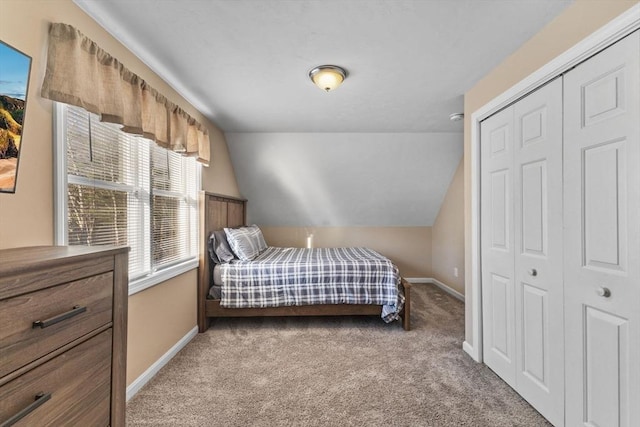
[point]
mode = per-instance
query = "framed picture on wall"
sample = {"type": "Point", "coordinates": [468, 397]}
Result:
{"type": "Point", "coordinates": [15, 68]}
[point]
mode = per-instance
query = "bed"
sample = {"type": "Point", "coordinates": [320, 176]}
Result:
{"type": "Point", "coordinates": [216, 213]}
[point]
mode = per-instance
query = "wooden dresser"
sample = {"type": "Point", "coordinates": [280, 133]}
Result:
{"type": "Point", "coordinates": [63, 335]}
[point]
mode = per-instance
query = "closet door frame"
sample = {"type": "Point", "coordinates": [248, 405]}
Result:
{"type": "Point", "coordinates": [615, 30]}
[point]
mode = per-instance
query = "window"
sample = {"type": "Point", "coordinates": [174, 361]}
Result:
{"type": "Point", "coordinates": [115, 188]}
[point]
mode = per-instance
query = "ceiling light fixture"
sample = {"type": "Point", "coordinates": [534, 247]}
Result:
{"type": "Point", "coordinates": [328, 77]}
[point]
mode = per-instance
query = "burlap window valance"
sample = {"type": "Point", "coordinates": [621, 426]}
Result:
{"type": "Point", "coordinates": [80, 73]}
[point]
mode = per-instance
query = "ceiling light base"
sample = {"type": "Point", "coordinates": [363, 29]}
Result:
{"type": "Point", "coordinates": [328, 77]}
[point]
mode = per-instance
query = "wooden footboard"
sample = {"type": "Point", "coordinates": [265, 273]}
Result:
{"type": "Point", "coordinates": [406, 311]}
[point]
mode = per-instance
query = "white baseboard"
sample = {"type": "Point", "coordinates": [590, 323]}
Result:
{"type": "Point", "coordinates": [146, 376]}
{"type": "Point", "coordinates": [448, 289]}
{"type": "Point", "coordinates": [418, 279]}
{"type": "Point", "coordinates": [471, 351]}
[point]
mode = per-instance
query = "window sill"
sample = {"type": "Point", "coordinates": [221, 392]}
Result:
{"type": "Point", "coordinates": [150, 280]}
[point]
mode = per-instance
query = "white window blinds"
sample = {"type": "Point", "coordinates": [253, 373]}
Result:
{"type": "Point", "coordinates": [173, 205]}
{"type": "Point", "coordinates": [125, 190]}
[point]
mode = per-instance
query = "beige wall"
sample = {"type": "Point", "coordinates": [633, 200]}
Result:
{"type": "Point", "coordinates": [165, 310]}
{"type": "Point", "coordinates": [159, 316]}
{"type": "Point", "coordinates": [577, 21]}
{"type": "Point", "coordinates": [219, 177]}
{"type": "Point", "coordinates": [448, 235]}
{"type": "Point", "coordinates": [408, 247]}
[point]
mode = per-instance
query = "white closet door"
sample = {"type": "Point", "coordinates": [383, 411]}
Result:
{"type": "Point", "coordinates": [521, 232]}
{"type": "Point", "coordinates": [602, 238]}
{"type": "Point", "coordinates": [498, 308]}
{"type": "Point", "coordinates": [538, 250]}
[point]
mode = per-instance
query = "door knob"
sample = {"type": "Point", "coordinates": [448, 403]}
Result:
{"type": "Point", "coordinates": [603, 292]}
{"type": "Point", "coordinates": [532, 272]}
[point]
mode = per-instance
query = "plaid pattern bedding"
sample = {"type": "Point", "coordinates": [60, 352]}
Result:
{"type": "Point", "coordinates": [299, 276]}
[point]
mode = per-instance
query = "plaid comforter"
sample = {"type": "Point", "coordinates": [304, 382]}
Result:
{"type": "Point", "coordinates": [298, 276]}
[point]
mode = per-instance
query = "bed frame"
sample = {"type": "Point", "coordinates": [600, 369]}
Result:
{"type": "Point", "coordinates": [218, 211]}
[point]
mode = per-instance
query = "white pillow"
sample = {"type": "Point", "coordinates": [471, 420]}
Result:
{"type": "Point", "coordinates": [246, 242]}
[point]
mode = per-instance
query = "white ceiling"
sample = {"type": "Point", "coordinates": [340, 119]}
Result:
{"type": "Point", "coordinates": [351, 157]}
{"type": "Point", "coordinates": [244, 63]}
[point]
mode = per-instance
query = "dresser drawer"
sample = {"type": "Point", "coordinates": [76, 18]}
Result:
{"type": "Point", "coordinates": [76, 388]}
{"type": "Point", "coordinates": [23, 339]}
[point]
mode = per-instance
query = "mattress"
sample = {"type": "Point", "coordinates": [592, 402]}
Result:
{"type": "Point", "coordinates": [215, 291]}
{"type": "Point", "coordinates": [301, 276]}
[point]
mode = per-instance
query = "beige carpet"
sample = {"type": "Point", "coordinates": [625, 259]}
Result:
{"type": "Point", "coordinates": [345, 371]}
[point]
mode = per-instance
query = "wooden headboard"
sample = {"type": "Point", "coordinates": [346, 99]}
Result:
{"type": "Point", "coordinates": [216, 212]}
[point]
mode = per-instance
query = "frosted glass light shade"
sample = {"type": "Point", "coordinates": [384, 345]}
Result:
{"type": "Point", "coordinates": [328, 77]}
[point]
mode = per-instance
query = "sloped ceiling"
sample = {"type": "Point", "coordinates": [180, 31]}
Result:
{"type": "Point", "coordinates": [344, 179]}
{"type": "Point", "coordinates": [244, 64]}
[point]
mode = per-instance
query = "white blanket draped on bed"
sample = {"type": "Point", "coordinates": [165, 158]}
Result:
{"type": "Point", "coordinates": [299, 276]}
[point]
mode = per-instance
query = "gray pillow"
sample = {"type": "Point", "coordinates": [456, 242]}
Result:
{"type": "Point", "coordinates": [246, 242]}
{"type": "Point", "coordinates": [219, 249]}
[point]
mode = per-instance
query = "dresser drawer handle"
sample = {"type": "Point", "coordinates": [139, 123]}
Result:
{"type": "Point", "coordinates": [40, 399]}
{"type": "Point", "coordinates": [64, 316]}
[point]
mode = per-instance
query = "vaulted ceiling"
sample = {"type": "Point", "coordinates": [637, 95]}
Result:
{"type": "Point", "coordinates": [244, 64]}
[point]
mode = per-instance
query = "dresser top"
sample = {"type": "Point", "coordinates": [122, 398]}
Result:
{"type": "Point", "coordinates": [16, 260]}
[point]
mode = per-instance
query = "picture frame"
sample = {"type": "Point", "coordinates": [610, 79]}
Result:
{"type": "Point", "coordinates": [15, 70]}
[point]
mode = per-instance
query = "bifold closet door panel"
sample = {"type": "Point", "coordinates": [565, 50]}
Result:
{"type": "Point", "coordinates": [538, 250]}
{"type": "Point", "coordinates": [521, 241]}
{"type": "Point", "coordinates": [498, 308]}
{"type": "Point", "coordinates": [602, 237]}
